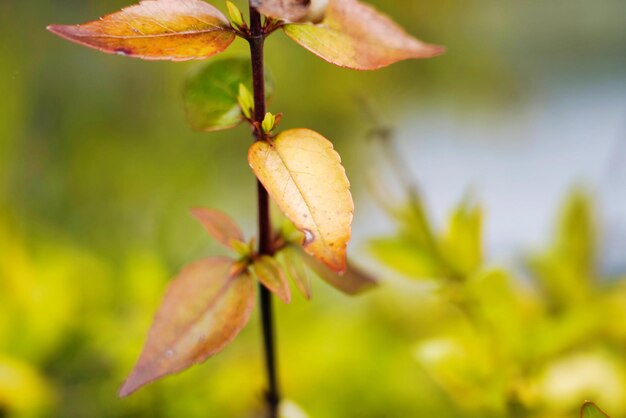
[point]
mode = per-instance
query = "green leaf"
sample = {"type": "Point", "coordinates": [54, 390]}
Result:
{"type": "Point", "coordinates": [497, 304]}
{"type": "Point", "coordinates": [235, 15]}
{"type": "Point", "coordinates": [268, 123]}
{"type": "Point", "coordinates": [211, 96]}
{"type": "Point", "coordinates": [246, 101]}
{"type": "Point", "coordinates": [296, 271]}
{"type": "Point", "coordinates": [567, 269]}
{"type": "Point", "coordinates": [271, 275]}
{"type": "Point", "coordinates": [406, 256]}
{"type": "Point", "coordinates": [244, 250]}
{"type": "Point", "coordinates": [591, 410]}
{"type": "Point", "coordinates": [462, 243]}
{"type": "Point", "coordinates": [414, 223]}
{"type": "Point", "coordinates": [576, 233]}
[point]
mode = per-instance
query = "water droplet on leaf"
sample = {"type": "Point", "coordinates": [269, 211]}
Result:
{"type": "Point", "coordinates": [308, 237]}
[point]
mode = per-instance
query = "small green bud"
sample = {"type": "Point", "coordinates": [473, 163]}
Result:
{"type": "Point", "coordinates": [268, 123]}
{"type": "Point", "coordinates": [235, 15]}
{"type": "Point", "coordinates": [246, 101]}
{"type": "Point", "coordinates": [243, 249]}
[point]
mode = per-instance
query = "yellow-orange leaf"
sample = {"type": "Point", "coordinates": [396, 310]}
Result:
{"type": "Point", "coordinates": [303, 174]}
{"type": "Point", "coordinates": [219, 225]}
{"type": "Point", "coordinates": [355, 35]}
{"type": "Point", "coordinates": [174, 30]}
{"type": "Point", "coordinates": [204, 309]}
{"type": "Point", "coordinates": [271, 275]}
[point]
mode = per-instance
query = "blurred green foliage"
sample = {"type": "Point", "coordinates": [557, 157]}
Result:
{"type": "Point", "coordinates": [98, 169]}
{"type": "Point", "coordinates": [516, 344]}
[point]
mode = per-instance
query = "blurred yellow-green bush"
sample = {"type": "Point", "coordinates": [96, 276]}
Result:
{"type": "Point", "coordinates": [533, 344]}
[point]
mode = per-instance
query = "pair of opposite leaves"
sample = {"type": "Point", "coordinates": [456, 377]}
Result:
{"type": "Point", "coordinates": [350, 34]}
{"type": "Point", "coordinates": [211, 300]}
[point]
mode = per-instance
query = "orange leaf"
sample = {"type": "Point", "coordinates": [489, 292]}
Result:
{"type": "Point", "coordinates": [353, 282]}
{"type": "Point", "coordinates": [303, 174]}
{"type": "Point", "coordinates": [355, 35]}
{"type": "Point", "coordinates": [204, 308]}
{"type": "Point", "coordinates": [176, 30]}
{"type": "Point", "coordinates": [219, 225]}
{"type": "Point", "coordinates": [271, 275]}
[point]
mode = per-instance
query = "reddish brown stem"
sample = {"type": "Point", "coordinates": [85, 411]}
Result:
{"type": "Point", "coordinates": [256, 40]}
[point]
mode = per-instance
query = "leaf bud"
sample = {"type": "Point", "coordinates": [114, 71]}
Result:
{"type": "Point", "coordinates": [236, 16]}
{"type": "Point", "coordinates": [246, 101]}
{"type": "Point", "coordinates": [269, 122]}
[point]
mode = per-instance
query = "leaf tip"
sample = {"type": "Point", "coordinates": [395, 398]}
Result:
{"type": "Point", "coordinates": [199, 214]}
{"type": "Point", "coordinates": [437, 50]}
{"type": "Point", "coordinates": [67, 32]}
{"type": "Point", "coordinates": [196, 213]}
{"type": "Point", "coordinates": [130, 386]}
{"type": "Point", "coordinates": [138, 378]}
{"type": "Point", "coordinates": [60, 30]}
{"type": "Point", "coordinates": [285, 297]}
{"type": "Point", "coordinates": [337, 261]}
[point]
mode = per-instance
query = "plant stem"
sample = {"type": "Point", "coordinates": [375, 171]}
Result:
{"type": "Point", "coordinates": [256, 40]}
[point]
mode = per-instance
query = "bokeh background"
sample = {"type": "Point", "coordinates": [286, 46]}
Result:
{"type": "Point", "coordinates": [513, 307]}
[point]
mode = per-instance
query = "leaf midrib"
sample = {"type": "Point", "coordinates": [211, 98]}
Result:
{"type": "Point", "coordinates": [306, 202]}
{"type": "Point", "coordinates": [158, 35]}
